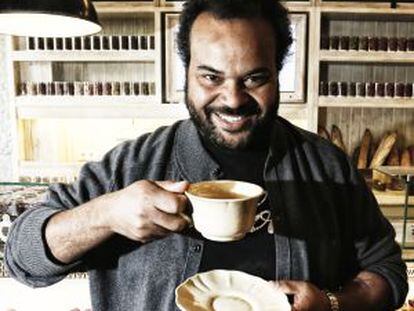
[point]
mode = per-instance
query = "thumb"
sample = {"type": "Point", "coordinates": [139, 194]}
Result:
{"type": "Point", "coordinates": [287, 287]}
{"type": "Point", "coordinates": [173, 186]}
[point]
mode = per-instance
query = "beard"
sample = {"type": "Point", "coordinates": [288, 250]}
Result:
{"type": "Point", "coordinates": [253, 135]}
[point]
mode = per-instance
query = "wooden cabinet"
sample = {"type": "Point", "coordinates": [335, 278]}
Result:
{"type": "Point", "coordinates": [64, 91]}
{"type": "Point", "coordinates": [130, 57]}
{"type": "Point", "coordinates": [115, 83]}
{"type": "Point", "coordinates": [366, 72]}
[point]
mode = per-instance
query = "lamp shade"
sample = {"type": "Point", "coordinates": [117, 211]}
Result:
{"type": "Point", "coordinates": [48, 18]}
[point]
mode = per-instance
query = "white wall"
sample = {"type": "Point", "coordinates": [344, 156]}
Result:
{"type": "Point", "coordinates": [5, 127]}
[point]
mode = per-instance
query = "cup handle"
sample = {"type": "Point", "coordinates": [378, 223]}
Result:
{"type": "Point", "coordinates": [263, 199]}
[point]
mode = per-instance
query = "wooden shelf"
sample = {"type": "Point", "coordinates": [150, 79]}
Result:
{"type": "Point", "coordinates": [292, 6]}
{"type": "Point", "coordinates": [365, 102]}
{"type": "Point", "coordinates": [392, 198]}
{"type": "Point", "coordinates": [408, 254]}
{"type": "Point", "coordinates": [298, 6]}
{"type": "Point", "coordinates": [395, 211]}
{"type": "Point", "coordinates": [366, 56]}
{"type": "Point", "coordinates": [83, 100]}
{"type": "Point", "coordinates": [84, 56]}
{"type": "Point", "coordinates": [124, 7]}
{"type": "Point", "coordinates": [97, 107]}
{"type": "Point", "coordinates": [356, 7]}
{"type": "Point", "coordinates": [29, 107]}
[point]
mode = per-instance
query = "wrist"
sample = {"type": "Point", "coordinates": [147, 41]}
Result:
{"type": "Point", "coordinates": [333, 301]}
{"type": "Point", "coordinates": [104, 209]}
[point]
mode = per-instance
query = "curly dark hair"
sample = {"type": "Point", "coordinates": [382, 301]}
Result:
{"type": "Point", "coordinates": [269, 10]}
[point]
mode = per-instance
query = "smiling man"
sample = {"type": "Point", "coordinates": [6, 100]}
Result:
{"type": "Point", "coordinates": [232, 90]}
{"type": "Point", "coordinates": [319, 237]}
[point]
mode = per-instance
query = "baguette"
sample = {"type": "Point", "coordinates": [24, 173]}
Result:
{"type": "Point", "coordinates": [323, 132]}
{"type": "Point", "coordinates": [374, 147]}
{"type": "Point", "coordinates": [364, 152]}
{"type": "Point", "coordinates": [393, 158]}
{"type": "Point", "coordinates": [336, 137]}
{"type": "Point", "coordinates": [406, 158]}
{"type": "Point", "coordinates": [384, 148]}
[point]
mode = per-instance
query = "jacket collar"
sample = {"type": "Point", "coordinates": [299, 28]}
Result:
{"type": "Point", "coordinates": [278, 142]}
{"type": "Point", "coordinates": [195, 163]}
{"type": "Point", "coordinates": [190, 156]}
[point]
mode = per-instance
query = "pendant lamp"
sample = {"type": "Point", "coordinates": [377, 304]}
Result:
{"type": "Point", "coordinates": [48, 18]}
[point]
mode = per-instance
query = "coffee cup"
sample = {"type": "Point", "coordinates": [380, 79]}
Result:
{"type": "Point", "coordinates": [224, 210]}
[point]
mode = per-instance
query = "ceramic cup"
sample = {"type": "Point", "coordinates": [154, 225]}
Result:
{"type": "Point", "coordinates": [224, 210]}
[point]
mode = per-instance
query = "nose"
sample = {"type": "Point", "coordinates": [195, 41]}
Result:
{"type": "Point", "coordinates": [233, 94]}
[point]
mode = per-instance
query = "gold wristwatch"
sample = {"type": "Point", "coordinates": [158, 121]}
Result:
{"type": "Point", "coordinates": [333, 301]}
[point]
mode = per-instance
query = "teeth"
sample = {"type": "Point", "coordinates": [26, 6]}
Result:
{"type": "Point", "coordinates": [228, 118]}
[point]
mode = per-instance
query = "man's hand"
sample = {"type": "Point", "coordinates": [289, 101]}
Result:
{"type": "Point", "coordinates": [306, 296]}
{"type": "Point", "coordinates": [147, 210]}
{"type": "Point", "coordinates": [143, 211]}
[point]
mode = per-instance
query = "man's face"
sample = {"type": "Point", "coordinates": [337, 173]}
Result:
{"type": "Point", "coordinates": [232, 84]}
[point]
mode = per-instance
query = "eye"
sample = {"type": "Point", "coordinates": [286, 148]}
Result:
{"type": "Point", "coordinates": [211, 78]}
{"type": "Point", "coordinates": [256, 80]}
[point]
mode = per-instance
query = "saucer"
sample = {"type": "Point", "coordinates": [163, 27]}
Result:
{"type": "Point", "coordinates": [227, 290]}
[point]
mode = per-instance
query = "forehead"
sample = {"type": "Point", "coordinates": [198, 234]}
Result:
{"type": "Point", "coordinates": [237, 38]}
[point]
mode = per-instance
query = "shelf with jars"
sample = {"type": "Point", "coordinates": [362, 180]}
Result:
{"type": "Point", "coordinates": [365, 70]}
{"type": "Point", "coordinates": [366, 6]}
{"type": "Point", "coordinates": [370, 102]}
{"type": "Point", "coordinates": [366, 57]}
{"type": "Point", "coordinates": [84, 56]}
{"type": "Point", "coordinates": [87, 82]}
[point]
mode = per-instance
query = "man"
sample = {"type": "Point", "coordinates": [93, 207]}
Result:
{"type": "Point", "coordinates": [124, 221]}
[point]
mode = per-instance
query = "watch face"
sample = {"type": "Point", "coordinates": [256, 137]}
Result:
{"type": "Point", "coordinates": [333, 301]}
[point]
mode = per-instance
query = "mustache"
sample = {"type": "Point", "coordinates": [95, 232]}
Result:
{"type": "Point", "coordinates": [243, 111]}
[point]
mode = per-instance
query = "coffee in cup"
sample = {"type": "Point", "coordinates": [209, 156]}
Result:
{"type": "Point", "coordinates": [224, 210]}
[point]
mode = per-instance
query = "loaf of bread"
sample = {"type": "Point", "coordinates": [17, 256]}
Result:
{"type": "Point", "coordinates": [364, 151]}
{"type": "Point", "coordinates": [393, 158]}
{"type": "Point", "coordinates": [383, 150]}
{"type": "Point", "coordinates": [406, 158]}
{"type": "Point", "coordinates": [323, 132]}
{"type": "Point", "coordinates": [374, 148]}
{"type": "Point", "coordinates": [336, 137]}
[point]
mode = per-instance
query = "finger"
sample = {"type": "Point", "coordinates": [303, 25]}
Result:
{"type": "Point", "coordinates": [172, 222]}
{"type": "Point", "coordinates": [149, 232]}
{"type": "Point", "coordinates": [287, 287]}
{"type": "Point", "coordinates": [167, 201]}
{"type": "Point", "coordinates": [173, 186]}
{"type": "Point", "coordinates": [156, 232]}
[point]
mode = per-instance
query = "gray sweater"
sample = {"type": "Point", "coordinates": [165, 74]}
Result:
{"type": "Point", "coordinates": [327, 223]}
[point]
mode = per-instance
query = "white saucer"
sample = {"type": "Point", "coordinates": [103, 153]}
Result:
{"type": "Point", "coordinates": [227, 290]}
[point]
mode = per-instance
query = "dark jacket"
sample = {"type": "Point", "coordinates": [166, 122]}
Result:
{"type": "Point", "coordinates": [327, 223]}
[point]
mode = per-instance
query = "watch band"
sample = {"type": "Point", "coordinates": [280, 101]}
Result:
{"type": "Point", "coordinates": [333, 301]}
